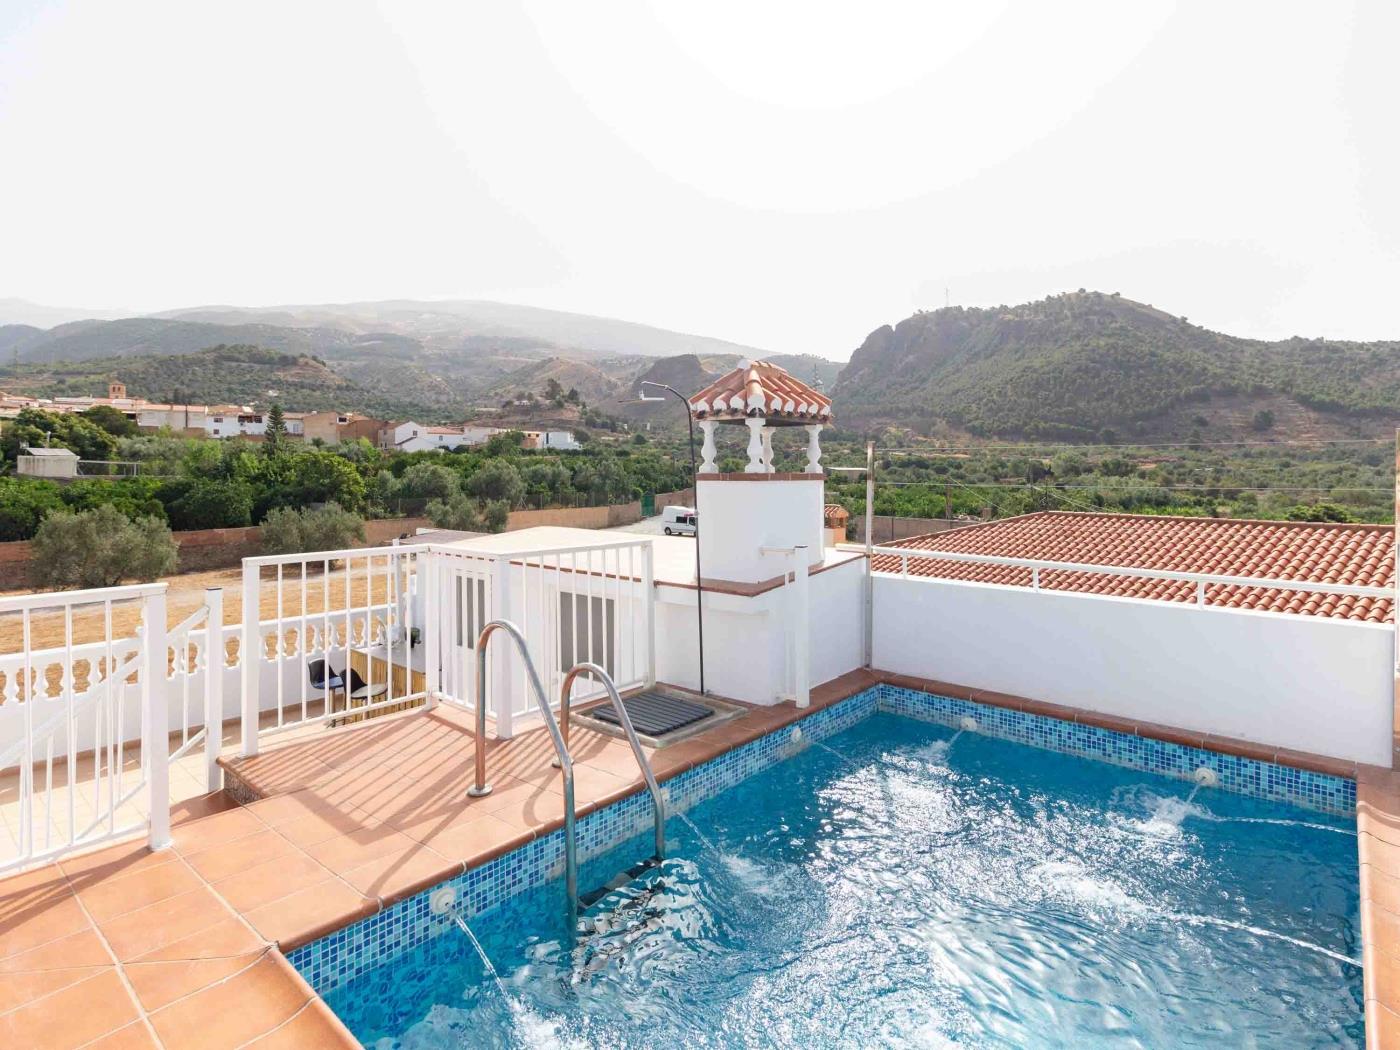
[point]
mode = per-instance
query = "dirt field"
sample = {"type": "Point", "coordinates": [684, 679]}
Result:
{"type": "Point", "coordinates": [185, 595]}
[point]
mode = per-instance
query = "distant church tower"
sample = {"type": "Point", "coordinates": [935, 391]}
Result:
{"type": "Point", "coordinates": [116, 390]}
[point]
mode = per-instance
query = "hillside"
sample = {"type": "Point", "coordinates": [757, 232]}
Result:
{"type": "Point", "coordinates": [1083, 365]}
{"type": "Point", "coordinates": [236, 374]}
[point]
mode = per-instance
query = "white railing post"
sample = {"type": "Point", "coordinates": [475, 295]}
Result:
{"type": "Point", "coordinates": [648, 600]}
{"type": "Point", "coordinates": [155, 718]}
{"type": "Point", "coordinates": [250, 659]}
{"type": "Point", "coordinates": [433, 617]}
{"type": "Point", "coordinates": [502, 666]}
{"type": "Point", "coordinates": [215, 660]}
{"type": "Point", "coordinates": [802, 626]}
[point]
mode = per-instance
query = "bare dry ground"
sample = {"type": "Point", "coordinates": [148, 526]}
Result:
{"type": "Point", "coordinates": [185, 594]}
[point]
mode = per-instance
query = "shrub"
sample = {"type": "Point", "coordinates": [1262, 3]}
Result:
{"type": "Point", "coordinates": [328, 528]}
{"type": "Point", "coordinates": [496, 516]}
{"type": "Point", "coordinates": [498, 480]}
{"type": "Point", "coordinates": [456, 512]}
{"type": "Point", "coordinates": [101, 548]}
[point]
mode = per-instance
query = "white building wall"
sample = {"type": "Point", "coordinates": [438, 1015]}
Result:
{"type": "Point", "coordinates": [745, 639]}
{"type": "Point", "coordinates": [738, 517]}
{"type": "Point", "coordinates": [1314, 684]}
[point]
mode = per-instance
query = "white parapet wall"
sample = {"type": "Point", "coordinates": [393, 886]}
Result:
{"type": "Point", "coordinates": [1310, 683]}
{"type": "Point", "coordinates": [745, 640]}
{"type": "Point", "coordinates": [742, 513]}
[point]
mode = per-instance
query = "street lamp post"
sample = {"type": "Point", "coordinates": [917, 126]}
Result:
{"type": "Point", "coordinates": [695, 482]}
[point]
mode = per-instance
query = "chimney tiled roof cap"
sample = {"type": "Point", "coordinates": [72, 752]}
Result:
{"type": "Point", "coordinates": [835, 514]}
{"type": "Point", "coordinates": [1278, 550]}
{"type": "Point", "coordinates": [758, 388]}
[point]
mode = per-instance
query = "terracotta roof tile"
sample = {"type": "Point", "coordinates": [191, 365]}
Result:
{"type": "Point", "coordinates": [834, 514]}
{"type": "Point", "coordinates": [1302, 551]}
{"type": "Point", "coordinates": [758, 388]}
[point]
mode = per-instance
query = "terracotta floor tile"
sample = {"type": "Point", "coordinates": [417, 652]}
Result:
{"type": "Point", "coordinates": [213, 830]}
{"type": "Point", "coordinates": [317, 827]}
{"type": "Point", "coordinates": [228, 937]}
{"type": "Point", "coordinates": [144, 930]}
{"type": "Point", "coordinates": [230, 858]}
{"type": "Point", "coordinates": [1380, 928]}
{"type": "Point", "coordinates": [1380, 887]}
{"type": "Point", "coordinates": [135, 1036]}
{"type": "Point", "coordinates": [19, 988]}
{"type": "Point", "coordinates": [110, 898]}
{"type": "Point", "coordinates": [311, 913]}
{"type": "Point", "coordinates": [344, 852]}
{"type": "Point", "coordinates": [159, 984]}
{"type": "Point", "coordinates": [1382, 975]}
{"type": "Point", "coordinates": [30, 919]}
{"type": "Point", "coordinates": [396, 875]}
{"type": "Point", "coordinates": [524, 805]}
{"type": "Point", "coordinates": [293, 806]}
{"type": "Point", "coordinates": [474, 841]}
{"type": "Point", "coordinates": [314, 1026]}
{"type": "Point", "coordinates": [76, 1015]}
{"type": "Point", "coordinates": [231, 1013]}
{"type": "Point", "coordinates": [200, 806]}
{"type": "Point", "coordinates": [1384, 855]}
{"type": "Point", "coordinates": [271, 880]}
{"type": "Point", "coordinates": [114, 862]}
{"type": "Point", "coordinates": [83, 948]}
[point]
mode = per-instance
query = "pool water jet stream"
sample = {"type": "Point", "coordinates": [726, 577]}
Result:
{"type": "Point", "coordinates": [1258, 931]}
{"type": "Point", "coordinates": [704, 841]}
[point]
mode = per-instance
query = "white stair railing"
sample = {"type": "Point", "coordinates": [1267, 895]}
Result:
{"type": "Point", "coordinates": [70, 715]}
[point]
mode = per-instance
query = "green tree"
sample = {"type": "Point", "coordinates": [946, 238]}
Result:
{"type": "Point", "coordinates": [498, 479]}
{"type": "Point", "coordinates": [428, 481]}
{"type": "Point", "coordinates": [37, 428]}
{"type": "Point", "coordinates": [496, 516]}
{"type": "Point", "coordinates": [290, 531]}
{"type": "Point", "coordinates": [457, 511]}
{"type": "Point", "coordinates": [275, 433]}
{"type": "Point", "coordinates": [1263, 420]}
{"type": "Point", "coordinates": [114, 422]}
{"type": "Point", "coordinates": [101, 548]}
{"type": "Point", "coordinates": [506, 443]}
{"type": "Point", "coordinates": [23, 504]}
{"type": "Point", "coordinates": [208, 503]}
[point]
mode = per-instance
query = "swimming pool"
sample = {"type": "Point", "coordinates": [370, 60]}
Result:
{"type": "Point", "coordinates": [892, 885]}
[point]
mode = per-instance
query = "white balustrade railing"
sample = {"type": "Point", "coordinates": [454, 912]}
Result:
{"type": "Point", "coordinates": [591, 602]}
{"type": "Point", "coordinates": [411, 614]}
{"type": "Point", "coordinates": [324, 621]}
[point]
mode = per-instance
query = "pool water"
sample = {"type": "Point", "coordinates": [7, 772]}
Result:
{"type": "Point", "coordinates": [906, 889]}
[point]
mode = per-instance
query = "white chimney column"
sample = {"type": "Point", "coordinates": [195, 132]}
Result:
{"type": "Point", "coordinates": [707, 449]}
{"type": "Point", "coordinates": [814, 449]}
{"type": "Point", "coordinates": [755, 449]}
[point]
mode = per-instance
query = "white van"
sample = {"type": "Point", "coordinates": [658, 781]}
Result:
{"type": "Point", "coordinates": [678, 521]}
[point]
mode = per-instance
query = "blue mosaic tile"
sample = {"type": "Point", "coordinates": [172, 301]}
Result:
{"type": "Point", "coordinates": [346, 954]}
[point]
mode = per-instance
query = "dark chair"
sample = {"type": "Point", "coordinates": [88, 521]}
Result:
{"type": "Point", "coordinates": [334, 684]}
{"type": "Point", "coordinates": [360, 691]}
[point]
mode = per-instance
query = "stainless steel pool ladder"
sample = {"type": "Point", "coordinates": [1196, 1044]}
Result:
{"type": "Point", "coordinates": [561, 748]}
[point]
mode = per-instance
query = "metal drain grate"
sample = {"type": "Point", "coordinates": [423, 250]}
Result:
{"type": "Point", "coordinates": [655, 714]}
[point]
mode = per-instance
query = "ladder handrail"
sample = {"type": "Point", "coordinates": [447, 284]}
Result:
{"type": "Point", "coordinates": [658, 802]}
{"type": "Point", "coordinates": [566, 765]}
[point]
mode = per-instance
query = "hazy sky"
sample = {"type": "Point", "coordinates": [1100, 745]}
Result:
{"type": "Point", "coordinates": [786, 174]}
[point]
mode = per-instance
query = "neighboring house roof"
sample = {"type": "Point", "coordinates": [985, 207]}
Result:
{"type": "Point", "coordinates": [57, 452]}
{"type": "Point", "coordinates": [757, 388]}
{"type": "Point", "coordinates": [1280, 550]}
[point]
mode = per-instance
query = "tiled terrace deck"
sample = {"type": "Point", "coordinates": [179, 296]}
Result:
{"type": "Point", "coordinates": [183, 948]}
